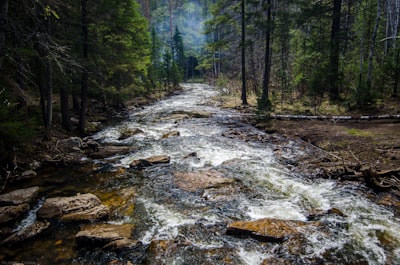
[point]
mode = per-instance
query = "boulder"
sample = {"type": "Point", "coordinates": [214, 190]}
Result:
{"type": "Point", "coordinates": [19, 196]}
{"type": "Point", "coordinates": [69, 144]}
{"type": "Point", "coordinates": [126, 133]}
{"type": "Point", "coordinates": [171, 134]}
{"type": "Point", "coordinates": [193, 181]}
{"type": "Point", "coordinates": [161, 159]}
{"type": "Point", "coordinates": [317, 214]}
{"type": "Point", "coordinates": [268, 229]}
{"type": "Point", "coordinates": [27, 174]}
{"type": "Point", "coordinates": [26, 233]}
{"type": "Point", "coordinates": [103, 234]}
{"type": "Point", "coordinates": [83, 207]}
{"type": "Point", "coordinates": [109, 150]}
{"type": "Point", "coordinates": [12, 213]}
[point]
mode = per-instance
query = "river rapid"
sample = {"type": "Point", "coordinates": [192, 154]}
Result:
{"type": "Point", "coordinates": [180, 225]}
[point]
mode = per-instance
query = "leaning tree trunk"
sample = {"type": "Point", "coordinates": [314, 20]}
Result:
{"type": "Point", "coordinates": [49, 83]}
{"type": "Point", "coordinates": [85, 74]}
{"type": "Point", "coordinates": [3, 24]}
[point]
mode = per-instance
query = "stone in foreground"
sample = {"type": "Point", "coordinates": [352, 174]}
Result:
{"type": "Point", "coordinates": [268, 229]}
{"type": "Point", "coordinates": [82, 207]}
{"type": "Point", "coordinates": [103, 234]}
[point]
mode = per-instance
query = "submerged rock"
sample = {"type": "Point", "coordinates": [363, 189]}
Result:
{"type": "Point", "coordinates": [103, 234]}
{"type": "Point", "coordinates": [20, 196]}
{"type": "Point", "coordinates": [26, 233]}
{"type": "Point", "coordinates": [193, 181]}
{"type": "Point", "coordinates": [83, 207]}
{"type": "Point", "coordinates": [268, 229]}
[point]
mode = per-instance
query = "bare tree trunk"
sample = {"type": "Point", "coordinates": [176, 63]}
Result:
{"type": "Point", "coordinates": [397, 74]}
{"type": "Point", "coordinates": [334, 52]}
{"type": "Point", "coordinates": [170, 18]}
{"type": "Point", "coordinates": [372, 50]}
{"type": "Point", "coordinates": [267, 58]}
{"type": "Point", "coordinates": [85, 75]}
{"type": "Point", "coordinates": [244, 89]}
{"type": "Point", "coordinates": [49, 99]}
{"type": "Point", "coordinates": [3, 23]}
{"type": "Point", "coordinates": [65, 114]}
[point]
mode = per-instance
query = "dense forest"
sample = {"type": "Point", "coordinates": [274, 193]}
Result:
{"type": "Point", "coordinates": [57, 57]}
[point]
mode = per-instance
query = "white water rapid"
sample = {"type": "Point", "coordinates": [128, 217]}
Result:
{"type": "Point", "coordinates": [195, 221]}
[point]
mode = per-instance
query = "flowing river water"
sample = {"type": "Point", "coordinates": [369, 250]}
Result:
{"type": "Point", "coordinates": [187, 226]}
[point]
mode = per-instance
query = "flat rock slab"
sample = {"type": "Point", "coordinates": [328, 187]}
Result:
{"type": "Point", "coordinates": [82, 207]}
{"type": "Point", "coordinates": [19, 196]}
{"type": "Point", "coordinates": [110, 150]}
{"type": "Point", "coordinates": [268, 229]}
{"type": "Point", "coordinates": [193, 181]}
{"type": "Point", "coordinates": [146, 162]}
{"type": "Point", "coordinates": [103, 234]}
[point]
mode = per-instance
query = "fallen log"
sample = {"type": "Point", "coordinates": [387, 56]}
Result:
{"type": "Point", "coordinates": [333, 117]}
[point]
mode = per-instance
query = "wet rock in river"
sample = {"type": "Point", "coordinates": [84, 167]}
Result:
{"type": "Point", "coordinates": [193, 181]}
{"type": "Point", "coordinates": [12, 213]}
{"type": "Point", "coordinates": [317, 214]}
{"type": "Point", "coordinates": [170, 134]}
{"type": "Point", "coordinates": [268, 229]}
{"type": "Point", "coordinates": [83, 207]}
{"type": "Point", "coordinates": [147, 162]}
{"type": "Point", "coordinates": [19, 196]}
{"type": "Point", "coordinates": [103, 234]}
{"type": "Point", "coordinates": [109, 150]}
{"type": "Point", "coordinates": [120, 202]}
{"type": "Point", "coordinates": [128, 132]}
{"type": "Point", "coordinates": [26, 233]}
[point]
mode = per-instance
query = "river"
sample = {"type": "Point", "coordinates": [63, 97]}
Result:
{"type": "Point", "coordinates": [180, 225]}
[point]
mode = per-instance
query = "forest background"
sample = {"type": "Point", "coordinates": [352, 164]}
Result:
{"type": "Point", "coordinates": [60, 59]}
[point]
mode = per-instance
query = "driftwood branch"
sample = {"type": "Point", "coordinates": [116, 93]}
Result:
{"type": "Point", "coordinates": [333, 117]}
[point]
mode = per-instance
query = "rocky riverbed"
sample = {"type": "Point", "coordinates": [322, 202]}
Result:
{"type": "Point", "coordinates": [183, 181]}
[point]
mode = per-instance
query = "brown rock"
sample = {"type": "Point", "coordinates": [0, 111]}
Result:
{"type": "Point", "coordinates": [122, 244]}
{"type": "Point", "coordinates": [271, 230]}
{"type": "Point", "coordinates": [171, 134]}
{"type": "Point", "coordinates": [193, 181]}
{"type": "Point", "coordinates": [12, 213]}
{"type": "Point", "coordinates": [77, 208]}
{"type": "Point", "coordinates": [103, 234]}
{"type": "Point", "coordinates": [28, 232]}
{"type": "Point", "coordinates": [162, 159]}
{"type": "Point", "coordinates": [109, 150]}
{"type": "Point", "coordinates": [19, 196]}
{"type": "Point", "coordinates": [317, 214]}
